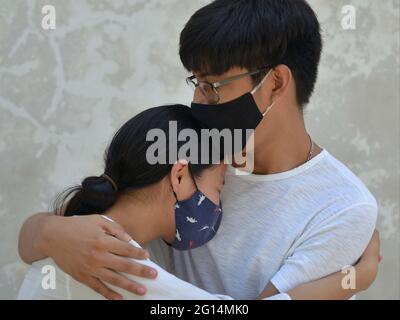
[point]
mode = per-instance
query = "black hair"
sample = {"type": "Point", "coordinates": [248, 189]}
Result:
{"type": "Point", "coordinates": [126, 162]}
{"type": "Point", "coordinates": [253, 34]}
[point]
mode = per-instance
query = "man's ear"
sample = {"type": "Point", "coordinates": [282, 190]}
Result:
{"type": "Point", "coordinates": [281, 76]}
{"type": "Point", "coordinates": [276, 85]}
{"type": "Point", "coordinates": [178, 174]}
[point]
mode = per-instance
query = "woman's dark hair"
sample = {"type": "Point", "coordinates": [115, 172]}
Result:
{"type": "Point", "coordinates": [253, 34]}
{"type": "Point", "coordinates": [126, 162]}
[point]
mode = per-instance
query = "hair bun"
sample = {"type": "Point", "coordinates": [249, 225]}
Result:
{"type": "Point", "coordinates": [98, 192]}
{"type": "Point", "coordinates": [110, 180]}
{"type": "Point", "coordinates": [97, 185]}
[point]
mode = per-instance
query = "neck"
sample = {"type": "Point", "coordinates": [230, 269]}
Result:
{"type": "Point", "coordinates": [140, 220]}
{"type": "Point", "coordinates": [281, 142]}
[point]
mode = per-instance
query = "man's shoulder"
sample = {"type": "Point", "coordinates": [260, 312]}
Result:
{"type": "Point", "coordinates": [341, 197]}
{"type": "Point", "coordinates": [343, 184]}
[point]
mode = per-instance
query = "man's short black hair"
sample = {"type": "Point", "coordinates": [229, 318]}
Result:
{"type": "Point", "coordinates": [252, 34]}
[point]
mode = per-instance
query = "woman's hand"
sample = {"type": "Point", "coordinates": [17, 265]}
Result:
{"type": "Point", "coordinates": [93, 251]}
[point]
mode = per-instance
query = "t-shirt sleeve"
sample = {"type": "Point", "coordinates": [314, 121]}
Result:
{"type": "Point", "coordinates": [327, 246]}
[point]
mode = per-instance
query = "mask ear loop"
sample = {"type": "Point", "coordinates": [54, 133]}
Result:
{"type": "Point", "coordinates": [261, 83]}
{"type": "Point", "coordinates": [197, 188]}
{"type": "Point", "coordinates": [258, 87]}
{"type": "Point", "coordinates": [268, 109]}
{"type": "Point", "coordinates": [191, 174]}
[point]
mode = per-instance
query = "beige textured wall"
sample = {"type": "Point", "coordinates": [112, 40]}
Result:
{"type": "Point", "coordinates": [63, 93]}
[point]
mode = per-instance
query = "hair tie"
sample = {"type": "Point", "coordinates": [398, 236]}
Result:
{"type": "Point", "coordinates": [110, 180]}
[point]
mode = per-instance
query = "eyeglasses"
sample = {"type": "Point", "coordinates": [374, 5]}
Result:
{"type": "Point", "coordinates": [210, 90]}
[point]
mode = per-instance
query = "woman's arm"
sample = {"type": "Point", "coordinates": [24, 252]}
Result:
{"type": "Point", "coordinates": [330, 287]}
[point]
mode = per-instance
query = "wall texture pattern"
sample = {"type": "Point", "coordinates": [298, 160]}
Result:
{"type": "Point", "coordinates": [64, 92]}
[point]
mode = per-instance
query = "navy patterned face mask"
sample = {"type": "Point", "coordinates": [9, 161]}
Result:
{"type": "Point", "coordinates": [197, 220]}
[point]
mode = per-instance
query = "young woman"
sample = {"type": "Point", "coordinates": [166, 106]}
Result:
{"type": "Point", "coordinates": [176, 201]}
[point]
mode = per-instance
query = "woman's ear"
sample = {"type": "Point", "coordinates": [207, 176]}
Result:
{"type": "Point", "coordinates": [177, 173]}
{"type": "Point", "coordinates": [181, 181]}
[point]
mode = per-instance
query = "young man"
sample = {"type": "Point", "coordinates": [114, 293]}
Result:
{"type": "Point", "coordinates": [301, 216]}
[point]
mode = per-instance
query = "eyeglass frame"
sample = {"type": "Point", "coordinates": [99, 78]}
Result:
{"type": "Point", "coordinates": [216, 85]}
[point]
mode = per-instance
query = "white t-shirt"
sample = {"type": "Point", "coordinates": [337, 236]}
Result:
{"type": "Point", "coordinates": [288, 228]}
{"type": "Point", "coordinates": [45, 281]}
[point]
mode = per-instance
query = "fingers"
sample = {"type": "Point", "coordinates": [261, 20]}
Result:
{"type": "Point", "coordinates": [125, 249]}
{"type": "Point", "coordinates": [121, 281]}
{"type": "Point", "coordinates": [125, 265]}
{"type": "Point", "coordinates": [114, 229]}
{"type": "Point", "coordinates": [121, 248]}
{"type": "Point", "coordinates": [100, 288]}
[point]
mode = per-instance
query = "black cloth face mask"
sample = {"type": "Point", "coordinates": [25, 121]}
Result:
{"type": "Point", "coordinates": [240, 113]}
